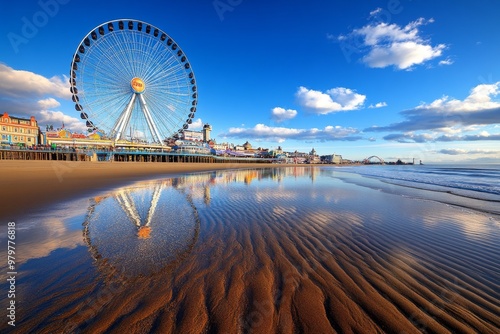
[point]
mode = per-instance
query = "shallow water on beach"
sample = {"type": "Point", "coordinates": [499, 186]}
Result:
{"type": "Point", "coordinates": [295, 249]}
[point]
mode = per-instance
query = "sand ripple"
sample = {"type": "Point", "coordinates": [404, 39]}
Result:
{"type": "Point", "coordinates": [344, 260]}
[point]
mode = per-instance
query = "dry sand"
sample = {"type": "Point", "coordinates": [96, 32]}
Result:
{"type": "Point", "coordinates": [27, 186]}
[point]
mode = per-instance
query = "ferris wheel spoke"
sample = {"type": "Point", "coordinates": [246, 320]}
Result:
{"type": "Point", "coordinates": [174, 116]}
{"type": "Point", "coordinates": [159, 68]}
{"type": "Point", "coordinates": [166, 71]}
{"type": "Point", "coordinates": [106, 60]}
{"type": "Point", "coordinates": [122, 53]}
{"type": "Point", "coordinates": [108, 120]}
{"type": "Point", "coordinates": [112, 64]}
{"type": "Point", "coordinates": [138, 58]}
{"type": "Point", "coordinates": [161, 111]}
{"type": "Point", "coordinates": [167, 123]}
{"type": "Point", "coordinates": [103, 101]}
{"type": "Point", "coordinates": [155, 56]}
{"type": "Point", "coordinates": [149, 119]}
{"type": "Point", "coordinates": [146, 53]}
{"type": "Point", "coordinates": [173, 85]}
{"type": "Point", "coordinates": [167, 61]}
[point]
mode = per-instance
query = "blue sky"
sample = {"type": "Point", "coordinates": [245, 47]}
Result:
{"type": "Point", "coordinates": [397, 79]}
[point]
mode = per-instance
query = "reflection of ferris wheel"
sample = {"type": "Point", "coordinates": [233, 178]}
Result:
{"type": "Point", "coordinates": [141, 229]}
{"type": "Point", "coordinates": [131, 81]}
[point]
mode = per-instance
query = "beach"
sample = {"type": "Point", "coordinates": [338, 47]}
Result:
{"type": "Point", "coordinates": [297, 249]}
{"type": "Point", "coordinates": [28, 186]}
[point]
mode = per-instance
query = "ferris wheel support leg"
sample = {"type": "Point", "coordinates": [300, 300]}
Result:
{"type": "Point", "coordinates": [128, 206]}
{"type": "Point", "coordinates": [124, 119]}
{"type": "Point", "coordinates": [149, 119]}
{"type": "Point", "coordinates": [154, 202]}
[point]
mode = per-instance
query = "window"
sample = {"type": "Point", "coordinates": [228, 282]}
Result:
{"type": "Point", "coordinates": [15, 129]}
{"type": "Point", "coordinates": [29, 139]}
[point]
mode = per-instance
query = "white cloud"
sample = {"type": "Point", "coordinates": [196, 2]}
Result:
{"type": "Point", "coordinates": [472, 137]}
{"type": "Point", "coordinates": [375, 12]}
{"type": "Point", "coordinates": [57, 118]}
{"type": "Point", "coordinates": [17, 83]}
{"type": "Point", "coordinates": [333, 100]}
{"type": "Point", "coordinates": [402, 55]}
{"type": "Point", "coordinates": [279, 114]}
{"type": "Point", "coordinates": [447, 61]}
{"type": "Point", "coordinates": [334, 37]}
{"type": "Point", "coordinates": [482, 94]}
{"type": "Point", "coordinates": [49, 103]}
{"type": "Point", "coordinates": [459, 151]}
{"type": "Point", "coordinates": [196, 125]}
{"type": "Point", "coordinates": [454, 130]}
{"type": "Point", "coordinates": [264, 131]}
{"type": "Point", "coordinates": [338, 132]}
{"type": "Point", "coordinates": [410, 137]}
{"type": "Point", "coordinates": [280, 134]}
{"type": "Point", "coordinates": [383, 33]}
{"type": "Point", "coordinates": [480, 98]}
{"type": "Point", "coordinates": [393, 45]}
{"type": "Point", "coordinates": [25, 94]}
{"type": "Point", "coordinates": [138, 134]}
{"type": "Point", "coordinates": [445, 115]}
{"type": "Point", "coordinates": [378, 105]}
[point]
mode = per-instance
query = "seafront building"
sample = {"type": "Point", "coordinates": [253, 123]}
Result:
{"type": "Point", "coordinates": [25, 133]}
{"type": "Point", "coordinates": [200, 136]}
{"type": "Point", "coordinates": [332, 159]}
{"type": "Point", "coordinates": [19, 131]}
{"type": "Point", "coordinates": [313, 157]}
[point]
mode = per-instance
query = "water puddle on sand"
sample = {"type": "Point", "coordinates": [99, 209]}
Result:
{"type": "Point", "coordinates": [139, 230]}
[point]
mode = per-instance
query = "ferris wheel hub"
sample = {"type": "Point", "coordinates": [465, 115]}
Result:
{"type": "Point", "coordinates": [138, 85]}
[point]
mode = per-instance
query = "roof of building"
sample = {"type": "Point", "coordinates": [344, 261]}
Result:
{"type": "Point", "coordinates": [5, 115]}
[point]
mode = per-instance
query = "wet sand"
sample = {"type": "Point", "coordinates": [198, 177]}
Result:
{"type": "Point", "coordinates": [296, 251]}
{"type": "Point", "coordinates": [27, 186]}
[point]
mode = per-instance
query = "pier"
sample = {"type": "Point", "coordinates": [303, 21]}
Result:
{"type": "Point", "coordinates": [122, 156]}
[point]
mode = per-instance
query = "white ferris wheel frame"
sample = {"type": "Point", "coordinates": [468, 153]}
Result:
{"type": "Point", "coordinates": [156, 91]}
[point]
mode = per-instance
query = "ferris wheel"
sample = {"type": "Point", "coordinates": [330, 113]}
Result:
{"type": "Point", "coordinates": [131, 81]}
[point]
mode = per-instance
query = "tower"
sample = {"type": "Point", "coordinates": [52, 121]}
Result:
{"type": "Point", "coordinates": [206, 132]}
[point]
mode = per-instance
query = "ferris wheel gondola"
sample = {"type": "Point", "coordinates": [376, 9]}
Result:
{"type": "Point", "coordinates": [131, 81]}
